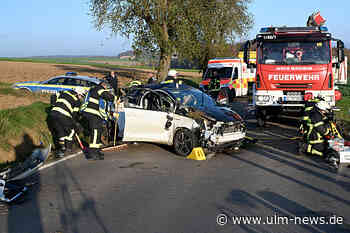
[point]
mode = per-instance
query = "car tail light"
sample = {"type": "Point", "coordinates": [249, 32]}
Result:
{"type": "Point", "coordinates": [308, 96]}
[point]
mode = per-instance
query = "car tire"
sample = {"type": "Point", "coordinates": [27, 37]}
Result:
{"type": "Point", "coordinates": [225, 96]}
{"type": "Point", "coordinates": [183, 142]}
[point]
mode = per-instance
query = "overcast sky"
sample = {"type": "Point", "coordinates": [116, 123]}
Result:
{"type": "Point", "coordinates": [42, 27]}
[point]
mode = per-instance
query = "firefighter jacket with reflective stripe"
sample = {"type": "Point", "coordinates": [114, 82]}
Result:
{"type": "Point", "coordinates": [67, 104]}
{"type": "Point", "coordinates": [318, 127]}
{"type": "Point", "coordinates": [96, 95]}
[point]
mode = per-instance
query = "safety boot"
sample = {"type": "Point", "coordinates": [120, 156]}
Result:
{"type": "Point", "coordinates": [69, 146]}
{"type": "Point", "coordinates": [60, 152]}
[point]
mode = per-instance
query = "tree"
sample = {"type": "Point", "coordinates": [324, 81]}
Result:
{"type": "Point", "coordinates": [188, 27]}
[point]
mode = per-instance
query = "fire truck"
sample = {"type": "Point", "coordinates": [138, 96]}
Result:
{"type": "Point", "coordinates": [227, 78]}
{"type": "Point", "coordinates": [292, 65]}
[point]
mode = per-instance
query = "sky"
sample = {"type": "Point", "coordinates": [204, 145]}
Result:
{"type": "Point", "coordinates": [47, 28]}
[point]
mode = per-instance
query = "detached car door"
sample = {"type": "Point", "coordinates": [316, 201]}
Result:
{"type": "Point", "coordinates": [148, 122]}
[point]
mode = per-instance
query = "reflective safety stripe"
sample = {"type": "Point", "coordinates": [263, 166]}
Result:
{"type": "Point", "coordinates": [310, 130]}
{"type": "Point", "coordinates": [70, 136]}
{"type": "Point", "coordinates": [318, 124]}
{"type": "Point", "coordinates": [73, 96]}
{"type": "Point", "coordinates": [61, 140]}
{"type": "Point", "coordinates": [66, 103]}
{"type": "Point", "coordinates": [316, 141]}
{"type": "Point", "coordinates": [309, 148]}
{"type": "Point", "coordinates": [316, 152]}
{"type": "Point", "coordinates": [62, 111]}
{"type": "Point", "coordinates": [99, 92]}
{"type": "Point", "coordinates": [327, 131]}
{"type": "Point", "coordinates": [92, 111]}
{"type": "Point", "coordinates": [308, 108]}
{"type": "Point", "coordinates": [93, 100]}
{"type": "Point", "coordinates": [94, 143]}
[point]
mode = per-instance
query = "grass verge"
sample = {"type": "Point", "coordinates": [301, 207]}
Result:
{"type": "Point", "coordinates": [28, 122]}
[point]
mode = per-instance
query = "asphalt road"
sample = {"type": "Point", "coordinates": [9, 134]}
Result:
{"type": "Point", "coordinates": [149, 189]}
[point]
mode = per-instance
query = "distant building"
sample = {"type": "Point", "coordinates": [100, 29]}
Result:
{"type": "Point", "coordinates": [127, 57]}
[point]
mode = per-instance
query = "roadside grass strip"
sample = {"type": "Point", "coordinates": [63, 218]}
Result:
{"type": "Point", "coordinates": [14, 123]}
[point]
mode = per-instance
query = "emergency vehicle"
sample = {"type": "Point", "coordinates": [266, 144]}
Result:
{"type": "Point", "coordinates": [226, 78]}
{"type": "Point", "coordinates": [294, 64]}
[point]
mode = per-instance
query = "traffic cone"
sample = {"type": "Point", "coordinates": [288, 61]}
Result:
{"type": "Point", "coordinates": [197, 154]}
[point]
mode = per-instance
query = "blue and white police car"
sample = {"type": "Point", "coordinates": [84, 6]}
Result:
{"type": "Point", "coordinates": [69, 81]}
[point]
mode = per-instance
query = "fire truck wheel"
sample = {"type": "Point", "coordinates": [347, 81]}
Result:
{"type": "Point", "coordinates": [225, 96]}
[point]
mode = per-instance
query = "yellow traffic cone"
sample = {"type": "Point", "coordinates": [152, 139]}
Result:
{"type": "Point", "coordinates": [197, 154]}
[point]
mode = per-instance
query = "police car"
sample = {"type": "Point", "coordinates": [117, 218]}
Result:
{"type": "Point", "coordinates": [69, 81]}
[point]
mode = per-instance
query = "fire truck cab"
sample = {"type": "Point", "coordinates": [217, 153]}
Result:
{"type": "Point", "coordinates": [227, 78]}
{"type": "Point", "coordinates": [292, 63]}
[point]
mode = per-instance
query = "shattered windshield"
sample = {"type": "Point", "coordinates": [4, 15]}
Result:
{"type": "Point", "coordinates": [192, 98]}
{"type": "Point", "coordinates": [294, 53]}
{"type": "Point", "coordinates": [219, 73]}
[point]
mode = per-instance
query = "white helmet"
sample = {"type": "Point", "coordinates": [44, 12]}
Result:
{"type": "Point", "coordinates": [172, 73]}
{"type": "Point", "coordinates": [323, 105]}
{"type": "Point", "coordinates": [80, 91]}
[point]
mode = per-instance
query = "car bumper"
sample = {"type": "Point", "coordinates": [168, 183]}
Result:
{"type": "Point", "coordinates": [227, 138]}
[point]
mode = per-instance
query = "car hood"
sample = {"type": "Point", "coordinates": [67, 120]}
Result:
{"type": "Point", "coordinates": [219, 113]}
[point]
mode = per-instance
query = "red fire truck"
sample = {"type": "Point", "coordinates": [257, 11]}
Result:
{"type": "Point", "coordinates": [294, 63]}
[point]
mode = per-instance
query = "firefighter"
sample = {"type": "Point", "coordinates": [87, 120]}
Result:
{"type": "Point", "coordinates": [171, 78]}
{"type": "Point", "coordinates": [112, 80]}
{"type": "Point", "coordinates": [317, 130]}
{"type": "Point", "coordinates": [63, 119]}
{"type": "Point", "coordinates": [151, 78]}
{"type": "Point", "coordinates": [95, 114]}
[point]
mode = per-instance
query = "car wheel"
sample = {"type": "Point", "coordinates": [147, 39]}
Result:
{"type": "Point", "coordinates": [224, 96]}
{"type": "Point", "coordinates": [183, 142]}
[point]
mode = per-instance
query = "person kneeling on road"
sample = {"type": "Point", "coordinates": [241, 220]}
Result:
{"type": "Point", "coordinates": [96, 116]}
{"type": "Point", "coordinates": [316, 130]}
{"type": "Point", "coordinates": [63, 119]}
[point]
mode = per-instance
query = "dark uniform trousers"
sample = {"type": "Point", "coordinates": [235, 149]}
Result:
{"type": "Point", "coordinates": [61, 118]}
{"type": "Point", "coordinates": [95, 117]}
{"type": "Point", "coordinates": [62, 128]}
{"type": "Point", "coordinates": [95, 130]}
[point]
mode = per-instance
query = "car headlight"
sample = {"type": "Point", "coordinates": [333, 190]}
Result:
{"type": "Point", "coordinates": [266, 98]}
{"type": "Point", "coordinates": [260, 98]}
{"type": "Point", "coordinates": [263, 98]}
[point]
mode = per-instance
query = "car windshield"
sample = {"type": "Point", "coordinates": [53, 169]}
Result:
{"type": "Point", "coordinates": [294, 53]}
{"type": "Point", "coordinates": [192, 97]}
{"type": "Point", "coordinates": [218, 73]}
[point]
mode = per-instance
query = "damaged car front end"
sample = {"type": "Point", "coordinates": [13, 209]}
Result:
{"type": "Point", "coordinates": [182, 117]}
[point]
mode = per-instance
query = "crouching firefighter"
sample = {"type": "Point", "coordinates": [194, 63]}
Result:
{"type": "Point", "coordinates": [316, 129]}
{"type": "Point", "coordinates": [95, 114]}
{"type": "Point", "coordinates": [63, 119]}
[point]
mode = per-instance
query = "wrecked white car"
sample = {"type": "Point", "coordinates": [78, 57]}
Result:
{"type": "Point", "coordinates": [182, 117]}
